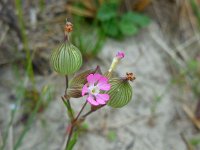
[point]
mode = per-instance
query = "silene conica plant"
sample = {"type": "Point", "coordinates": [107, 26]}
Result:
{"type": "Point", "coordinates": [99, 89]}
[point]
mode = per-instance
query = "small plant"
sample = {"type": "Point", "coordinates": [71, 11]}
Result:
{"type": "Point", "coordinates": [100, 89]}
{"type": "Point", "coordinates": [119, 25]}
{"type": "Point", "coordinates": [82, 40]}
{"type": "Point", "coordinates": [111, 20]}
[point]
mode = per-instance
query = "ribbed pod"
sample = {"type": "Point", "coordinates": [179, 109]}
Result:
{"type": "Point", "coordinates": [120, 93]}
{"type": "Point", "coordinates": [66, 59]}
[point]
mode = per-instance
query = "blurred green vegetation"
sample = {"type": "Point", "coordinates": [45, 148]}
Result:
{"type": "Point", "coordinates": [103, 19]}
{"type": "Point", "coordinates": [196, 10]}
{"type": "Point", "coordinates": [29, 103]}
{"type": "Point", "coordinates": [189, 76]}
{"type": "Point", "coordinates": [195, 141]}
{"type": "Point", "coordinates": [119, 25]}
{"type": "Point", "coordinates": [89, 36]}
{"type": "Point", "coordinates": [90, 40]}
{"type": "Point", "coordinates": [112, 135]}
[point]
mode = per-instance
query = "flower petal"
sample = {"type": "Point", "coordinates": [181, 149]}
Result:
{"type": "Point", "coordinates": [103, 84]}
{"type": "Point", "coordinates": [91, 100]}
{"type": "Point", "coordinates": [104, 97]}
{"type": "Point", "coordinates": [92, 78]}
{"type": "Point", "coordinates": [84, 89]}
{"type": "Point", "coordinates": [100, 100]}
{"type": "Point", "coordinates": [105, 87]}
{"type": "Point", "coordinates": [103, 80]}
{"type": "Point", "coordinates": [120, 55]}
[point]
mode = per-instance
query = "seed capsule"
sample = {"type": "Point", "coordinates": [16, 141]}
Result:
{"type": "Point", "coordinates": [66, 59]}
{"type": "Point", "coordinates": [120, 93]}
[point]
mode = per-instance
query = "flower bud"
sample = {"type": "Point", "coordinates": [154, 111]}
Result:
{"type": "Point", "coordinates": [66, 59]}
{"type": "Point", "coordinates": [120, 92]}
{"type": "Point", "coordinates": [120, 55]}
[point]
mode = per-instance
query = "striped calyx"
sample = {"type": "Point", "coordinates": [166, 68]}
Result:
{"type": "Point", "coordinates": [66, 59]}
{"type": "Point", "coordinates": [76, 84]}
{"type": "Point", "coordinates": [120, 93]}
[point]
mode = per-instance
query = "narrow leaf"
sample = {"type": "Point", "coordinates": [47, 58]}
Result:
{"type": "Point", "coordinates": [73, 141]}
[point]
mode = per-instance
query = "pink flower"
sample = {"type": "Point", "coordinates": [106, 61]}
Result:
{"type": "Point", "coordinates": [94, 88]}
{"type": "Point", "coordinates": [120, 55]}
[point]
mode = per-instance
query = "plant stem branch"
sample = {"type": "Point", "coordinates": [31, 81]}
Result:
{"type": "Point", "coordinates": [91, 111]}
{"type": "Point", "coordinates": [69, 108]}
{"type": "Point", "coordinates": [66, 99]}
{"type": "Point", "coordinates": [80, 111]}
{"type": "Point", "coordinates": [73, 125]}
{"type": "Point", "coordinates": [66, 84]}
{"type": "Point", "coordinates": [70, 135]}
{"type": "Point", "coordinates": [88, 113]}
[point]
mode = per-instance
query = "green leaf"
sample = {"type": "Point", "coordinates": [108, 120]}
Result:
{"type": "Point", "coordinates": [107, 11]}
{"type": "Point", "coordinates": [127, 27]}
{"type": "Point", "coordinates": [47, 93]}
{"type": "Point", "coordinates": [111, 28]}
{"type": "Point", "coordinates": [72, 141]}
{"type": "Point", "coordinates": [136, 18]}
{"type": "Point", "coordinates": [69, 108]}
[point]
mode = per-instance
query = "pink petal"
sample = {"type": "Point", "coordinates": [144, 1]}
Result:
{"type": "Point", "coordinates": [100, 101]}
{"type": "Point", "coordinates": [92, 78]}
{"type": "Point", "coordinates": [105, 87]}
{"type": "Point", "coordinates": [103, 80]}
{"type": "Point", "coordinates": [84, 89]}
{"type": "Point", "coordinates": [104, 97]}
{"type": "Point", "coordinates": [91, 100]}
{"type": "Point", "coordinates": [120, 55]}
{"type": "Point", "coordinates": [103, 84]}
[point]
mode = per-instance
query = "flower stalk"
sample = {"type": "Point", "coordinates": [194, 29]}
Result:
{"type": "Point", "coordinates": [100, 89]}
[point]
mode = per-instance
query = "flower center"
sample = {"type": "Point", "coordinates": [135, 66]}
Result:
{"type": "Point", "coordinates": [94, 90]}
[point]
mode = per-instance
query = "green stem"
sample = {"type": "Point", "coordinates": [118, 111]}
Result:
{"type": "Point", "coordinates": [13, 113]}
{"type": "Point", "coordinates": [91, 111]}
{"type": "Point", "coordinates": [68, 104]}
{"type": "Point", "coordinates": [66, 84]}
{"type": "Point", "coordinates": [73, 125]}
{"type": "Point", "coordinates": [69, 108]}
{"type": "Point", "coordinates": [28, 125]}
{"type": "Point", "coordinates": [80, 111]}
{"type": "Point", "coordinates": [88, 113]}
{"type": "Point", "coordinates": [29, 66]}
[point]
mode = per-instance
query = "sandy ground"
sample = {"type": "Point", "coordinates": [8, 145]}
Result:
{"type": "Point", "coordinates": [137, 127]}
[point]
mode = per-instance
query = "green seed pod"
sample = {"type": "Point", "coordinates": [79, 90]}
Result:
{"type": "Point", "coordinates": [66, 59]}
{"type": "Point", "coordinates": [120, 93]}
